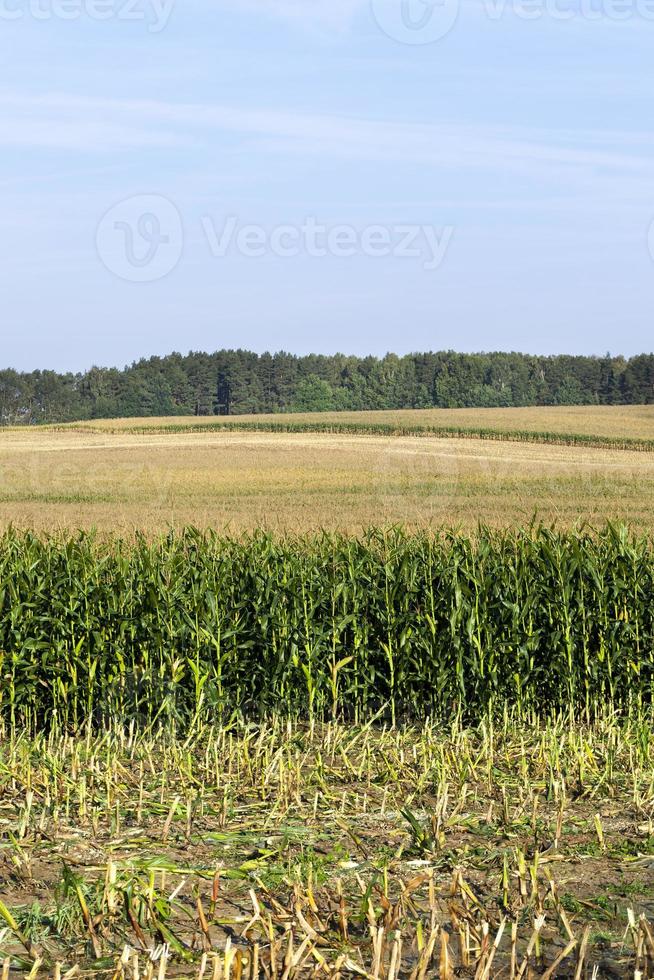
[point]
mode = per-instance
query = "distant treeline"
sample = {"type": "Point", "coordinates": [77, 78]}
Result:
{"type": "Point", "coordinates": [240, 382]}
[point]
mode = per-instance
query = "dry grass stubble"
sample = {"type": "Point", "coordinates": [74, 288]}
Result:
{"type": "Point", "coordinates": [301, 482]}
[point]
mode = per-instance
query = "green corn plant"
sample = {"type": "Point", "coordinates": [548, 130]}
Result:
{"type": "Point", "coordinates": [192, 627]}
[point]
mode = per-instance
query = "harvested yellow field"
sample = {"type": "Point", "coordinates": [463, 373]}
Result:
{"type": "Point", "coordinates": [122, 481]}
{"type": "Point", "coordinates": [629, 421]}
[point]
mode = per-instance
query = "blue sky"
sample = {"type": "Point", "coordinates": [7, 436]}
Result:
{"type": "Point", "coordinates": [157, 155]}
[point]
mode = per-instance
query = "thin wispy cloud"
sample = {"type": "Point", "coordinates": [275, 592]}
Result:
{"type": "Point", "coordinates": [99, 124]}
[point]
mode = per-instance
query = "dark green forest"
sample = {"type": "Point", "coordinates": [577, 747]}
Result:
{"type": "Point", "coordinates": [238, 382]}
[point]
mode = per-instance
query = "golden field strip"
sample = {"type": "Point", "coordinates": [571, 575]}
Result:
{"type": "Point", "coordinates": [122, 475]}
{"type": "Point", "coordinates": [629, 421]}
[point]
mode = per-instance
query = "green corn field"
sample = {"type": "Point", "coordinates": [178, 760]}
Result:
{"type": "Point", "coordinates": [390, 625]}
